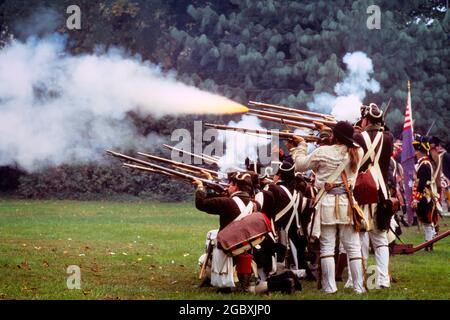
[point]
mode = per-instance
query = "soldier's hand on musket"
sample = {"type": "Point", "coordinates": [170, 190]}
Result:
{"type": "Point", "coordinates": [319, 125]}
{"type": "Point", "coordinates": [197, 184]}
{"type": "Point", "coordinates": [207, 175]}
{"type": "Point", "coordinates": [297, 139]}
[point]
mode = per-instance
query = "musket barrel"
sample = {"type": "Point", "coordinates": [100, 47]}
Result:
{"type": "Point", "coordinates": [179, 164]}
{"type": "Point", "coordinates": [292, 117]}
{"type": "Point", "coordinates": [151, 167]}
{"type": "Point", "coordinates": [292, 110]}
{"type": "Point", "coordinates": [207, 160]}
{"type": "Point", "coordinates": [264, 132]}
{"type": "Point", "coordinates": [283, 121]}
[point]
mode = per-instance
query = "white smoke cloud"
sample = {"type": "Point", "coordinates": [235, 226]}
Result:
{"type": "Point", "coordinates": [345, 104]}
{"type": "Point", "coordinates": [59, 108]}
{"type": "Point", "coordinates": [240, 145]}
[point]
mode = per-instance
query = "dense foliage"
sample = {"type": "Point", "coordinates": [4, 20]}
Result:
{"type": "Point", "coordinates": [267, 50]}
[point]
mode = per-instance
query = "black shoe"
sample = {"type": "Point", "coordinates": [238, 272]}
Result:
{"type": "Point", "coordinates": [224, 290]}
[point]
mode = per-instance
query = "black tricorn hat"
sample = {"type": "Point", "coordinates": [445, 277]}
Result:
{"type": "Point", "coordinates": [372, 112]}
{"type": "Point", "coordinates": [343, 131]}
{"type": "Point", "coordinates": [286, 171]}
{"type": "Point", "coordinates": [421, 143]}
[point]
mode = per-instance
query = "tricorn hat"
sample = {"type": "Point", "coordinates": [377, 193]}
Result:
{"type": "Point", "coordinates": [343, 131]}
{"type": "Point", "coordinates": [286, 171]}
{"type": "Point", "coordinates": [421, 143]}
{"type": "Point", "coordinates": [372, 112]}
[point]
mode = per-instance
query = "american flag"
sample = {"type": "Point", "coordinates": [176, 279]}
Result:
{"type": "Point", "coordinates": [408, 154]}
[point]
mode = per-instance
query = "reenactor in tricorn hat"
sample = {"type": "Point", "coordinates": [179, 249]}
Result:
{"type": "Point", "coordinates": [229, 208]}
{"type": "Point", "coordinates": [424, 196]}
{"type": "Point", "coordinates": [378, 159]}
{"type": "Point", "coordinates": [341, 159]}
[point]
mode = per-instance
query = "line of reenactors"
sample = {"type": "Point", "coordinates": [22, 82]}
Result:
{"type": "Point", "coordinates": [291, 203]}
{"type": "Point", "coordinates": [324, 209]}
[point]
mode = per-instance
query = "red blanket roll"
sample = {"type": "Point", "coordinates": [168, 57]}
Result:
{"type": "Point", "coordinates": [239, 236]}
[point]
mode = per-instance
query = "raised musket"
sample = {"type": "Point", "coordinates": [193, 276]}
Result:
{"type": "Point", "coordinates": [148, 165]}
{"type": "Point", "coordinates": [213, 158]}
{"type": "Point", "coordinates": [291, 123]}
{"type": "Point", "coordinates": [219, 186]}
{"type": "Point", "coordinates": [291, 110]}
{"type": "Point", "coordinates": [286, 135]}
{"type": "Point", "coordinates": [127, 165]}
{"type": "Point", "coordinates": [293, 117]}
{"type": "Point", "coordinates": [178, 164]}
{"type": "Point", "coordinates": [207, 160]}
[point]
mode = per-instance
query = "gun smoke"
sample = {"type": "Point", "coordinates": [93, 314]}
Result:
{"type": "Point", "coordinates": [345, 104]}
{"type": "Point", "coordinates": [58, 108]}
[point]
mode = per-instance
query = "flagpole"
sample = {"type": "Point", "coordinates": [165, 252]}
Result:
{"type": "Point", "coordinates": [408, 156]}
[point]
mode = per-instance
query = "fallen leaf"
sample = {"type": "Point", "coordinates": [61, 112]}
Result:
{"type": "Point", "coordinates": [24, 265]}
{"type": "Point", "coordinates": [25, 288]}
{"type": "Point", "coordinates": [95, 268]}
{"type": "Point", "coordinates": [45, 264]}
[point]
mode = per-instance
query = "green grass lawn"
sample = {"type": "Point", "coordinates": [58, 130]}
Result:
{"type": "Point", "coordinates": [150, 251]}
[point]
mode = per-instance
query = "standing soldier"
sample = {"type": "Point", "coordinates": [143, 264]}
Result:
{"type": "Point", "coordinates": [378, 148]}
{"type": "Point", "coordinates": [332, 164]}
{"type": "Point", "coordinates": [424, 201]}
{"type": "Point", "coordinates": [229, 208]}
{"type": "Point", "coordinates": [437, 154]}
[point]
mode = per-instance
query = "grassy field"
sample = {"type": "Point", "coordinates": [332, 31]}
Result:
{"type": "Point", "coordinates": [150, 251]}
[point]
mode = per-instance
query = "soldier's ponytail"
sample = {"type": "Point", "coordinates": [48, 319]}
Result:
{"type": "Point", "coordinates": [354, 158]}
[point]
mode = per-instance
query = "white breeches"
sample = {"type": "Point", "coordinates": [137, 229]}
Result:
{"type": "Point", "coordinates": [380, 246]}
{"type": "Point", "coordinates": [352, 246]}
{"type": "Point", "coordinates": [429, 231]}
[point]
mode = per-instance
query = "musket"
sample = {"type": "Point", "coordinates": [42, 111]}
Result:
{"type": "Point", "coordinates": [387, 107]}
{"type": "Point", "coordinates": [295, 124]}
{"type": "Point", "coordinates": [178, 164]}
{"type": "Point", "coordinates": [219, 186]}
{"type": "Point", "coordinates": [281, 134]}
{"type": "Point", "coordinates": [213, 158]}
{"type": "Point", "coordinates": [127, 165]}
{"type": "Point", "coordinates": [207, 160]}
{"type": "Point", "coordinates": [292, 117]}
{"type": "Point", "coordinates": [148, 165]}
{"type": "Point", "coordinates": [208, 256]}
{"type": "Point", "coordinates": [291, 110]}
{"type": "Point", "coordinates": [431, 127]}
